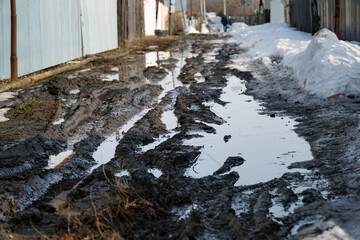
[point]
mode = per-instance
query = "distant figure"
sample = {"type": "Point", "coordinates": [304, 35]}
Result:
{"type": "Point", "coordinates": [225, 23]}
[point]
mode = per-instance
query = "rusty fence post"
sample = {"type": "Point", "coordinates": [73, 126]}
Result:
{"type": "Point", "coordinates": [169, 27]}
{"type": "Point", "coordinates": [13, 58]}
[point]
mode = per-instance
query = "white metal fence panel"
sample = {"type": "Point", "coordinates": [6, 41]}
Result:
{"type": "Point", "coordinates": [150, 17]}
{"type": "Point", "coordinates": [99, 19]}
{"type": "Point", "coordinates": [48, 34]}
{"type": "Point", "coordinates": [4, 39]}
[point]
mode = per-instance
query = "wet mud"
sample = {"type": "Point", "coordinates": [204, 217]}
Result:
{"type": "Point", "coordinates": [148, 109]}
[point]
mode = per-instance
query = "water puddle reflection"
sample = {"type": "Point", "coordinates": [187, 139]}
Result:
{"type": "Point", "coordinates": [122, 173]}
{"type": "Point", "coordinates": [106, 151]}
{"type": "Point", "coordinates": [171, 123]}
{"type": "Point", "coordinates": [259, 139]}
{"type": "Point", "coordinates": [109, 77]}
{"type": "Point", "coordinates": [156, 172]}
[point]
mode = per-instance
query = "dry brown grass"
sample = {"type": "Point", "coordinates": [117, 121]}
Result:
{"type": "Point", "coordinates": [109, 220]}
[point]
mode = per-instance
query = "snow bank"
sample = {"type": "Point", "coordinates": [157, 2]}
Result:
{"type": "Point", "coordinates": [322, 64]}
{"type": "Point", "coordinates": [329, 66]}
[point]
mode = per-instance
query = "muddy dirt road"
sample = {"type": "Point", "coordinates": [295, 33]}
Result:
{"type": "Point", "coordinates": [177, 143]}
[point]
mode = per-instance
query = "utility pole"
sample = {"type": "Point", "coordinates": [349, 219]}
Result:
{"type": "Point", "coordinates": [224, 7]}
{"type": "Point", "coordinates": [170, 13]}
{"type": "Point", "coordinates": [13, 58]}
{"type": "Point", "coordinates": [205, 9]}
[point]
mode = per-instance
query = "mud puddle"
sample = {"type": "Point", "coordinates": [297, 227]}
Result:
{"type": "Point", "coordinates": [267, 143]}
{"type": "Point", "coordinates": [106, 151]}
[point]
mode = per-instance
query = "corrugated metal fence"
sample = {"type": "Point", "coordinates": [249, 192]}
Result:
{"type": "Point", "coordinates": [310, 15]}
{"type": "Point", "coordinates": [56, 31]}
{"type": "Point", "coordinates": [350, 20]}
{"type": "Point", "coordinates": [327, 13]}
{"type": "Point", "coordinates": [305, 15]}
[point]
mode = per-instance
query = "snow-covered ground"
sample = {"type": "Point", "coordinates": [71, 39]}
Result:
{"type": "Point", "coordinates": [322, 64]}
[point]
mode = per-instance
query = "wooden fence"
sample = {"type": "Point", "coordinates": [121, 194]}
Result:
{"type": "Point", "coordinates": [131, 20]}
{"type": "Point", "coordinates": [312, 15]}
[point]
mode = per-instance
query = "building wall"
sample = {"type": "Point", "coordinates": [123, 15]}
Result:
{"type": "Point", "coordinates": [277, 12]}
{"type": "Point", "coordinates": [53, 32]}
{"type": "Point", "coordinates": [235, 8]}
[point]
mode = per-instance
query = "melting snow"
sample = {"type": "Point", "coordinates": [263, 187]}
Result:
{"type": "Point", "coordinates": [322, 64]}
{"type": "Point", "coordinates": [3, 111]}
{"type": "Point", "coordinates": [7, 95]}
{"type": "Point", "coordinates": [56, 160]}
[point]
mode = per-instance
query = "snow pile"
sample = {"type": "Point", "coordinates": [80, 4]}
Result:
{"type": "Point", "coordinates": [190, 30]}
{"type": "Point", "coordinates": [322, 64]}
{"type": "Point", "coordinates": [329, 66]}
{"type": "Point", "coordinates": [204, 29]}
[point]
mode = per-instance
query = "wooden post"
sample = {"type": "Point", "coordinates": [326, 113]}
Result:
{"type": "Point", "coordinates": [337, 18]}
{"type": "Point", "coordinates": [205, 9]}
{"type": "Point", "coordinates": [201, 13]}
{"type": "Point", "coordinates": [13, 58]}
{"type": "Point", "coordinates": [119, 22]}
{"type": "Point", "coordinates": [169, 17]}
{"type": "Point", "coordinates": [123, 22]}
{"type": "Point", "coordinates": [224, 7]}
